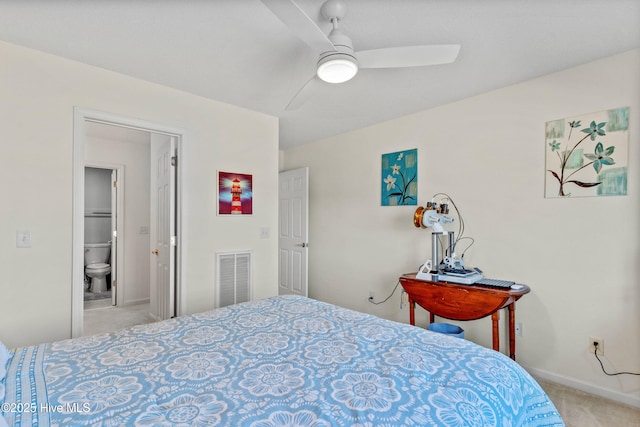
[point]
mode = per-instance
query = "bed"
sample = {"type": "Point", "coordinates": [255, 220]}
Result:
{"type": "Point", "coordinates": [284, 360]}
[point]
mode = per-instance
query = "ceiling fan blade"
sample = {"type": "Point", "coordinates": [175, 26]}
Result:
{"type": "Point", "coordinates": [300, 24]}
{"type": "Point", "coordinates": [303, 95]}
{"type": "Point", "coordinates": [408, 56]}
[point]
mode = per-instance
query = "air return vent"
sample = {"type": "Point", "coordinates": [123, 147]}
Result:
{"type": "Point", "coordinates": [234, 277]}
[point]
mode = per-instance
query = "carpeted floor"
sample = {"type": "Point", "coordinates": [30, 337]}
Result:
{"type": "Point", "coordinates": [111, 318]}
{"type": "Point", "coordinates": [580, 409]}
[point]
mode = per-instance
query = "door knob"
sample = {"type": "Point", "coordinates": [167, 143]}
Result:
{"type": "Point", "coordinates": [155, 252]}
{"type": "Point", "coordinates": [304, 245]}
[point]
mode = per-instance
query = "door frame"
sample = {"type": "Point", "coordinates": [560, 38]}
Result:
{"type": "Point", "coordinates": [80, 117]}
{"type": "Point", "coordinates": [119, 260]}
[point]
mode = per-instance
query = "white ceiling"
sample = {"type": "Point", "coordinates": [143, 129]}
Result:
{"type": "Point", "coordinates": [238, 52]}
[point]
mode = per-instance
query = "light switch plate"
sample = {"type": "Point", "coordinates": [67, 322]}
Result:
{"type": "Point", "coordinates": [23, 239]}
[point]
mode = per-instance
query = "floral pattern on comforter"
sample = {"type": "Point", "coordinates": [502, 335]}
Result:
{"type": "Point", "coordinates": [276, 362]}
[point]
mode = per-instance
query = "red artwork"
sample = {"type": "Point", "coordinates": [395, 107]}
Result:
{"type": "Point", "coordinates": [235, 194]}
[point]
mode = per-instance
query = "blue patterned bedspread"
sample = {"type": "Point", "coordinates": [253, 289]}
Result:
{"type": "Point", "coordinates": [282, 361]}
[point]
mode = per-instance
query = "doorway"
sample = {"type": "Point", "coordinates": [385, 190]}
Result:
{"type": "Point", "coordinates": [83, 120]}
{"type": "Point", "coordinates": [103, 216]}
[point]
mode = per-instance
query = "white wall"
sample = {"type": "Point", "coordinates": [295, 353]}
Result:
{"type": "Point", "coordinates": [37, 99]}
{"type": "Point", "coordinates": [135, 161]}
{"type": "Point", "coordinates": [579, 256]}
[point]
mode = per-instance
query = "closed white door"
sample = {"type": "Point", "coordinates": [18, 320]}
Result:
{"type": "Point", "coordinates": [293, 232]}
{"type": "Point", "coordinates": [162, 229]}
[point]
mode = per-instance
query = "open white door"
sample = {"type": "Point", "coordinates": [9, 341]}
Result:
{"type": "Point", "coordinates": [114, 236]}
{"type": "Point", "coordinates": [293, 232]}
{"type": "Point", "coordinates": [162, 230]}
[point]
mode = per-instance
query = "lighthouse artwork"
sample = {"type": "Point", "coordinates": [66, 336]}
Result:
{"type": "Point", "coordinates": [236, 202]}
{"type": "Point", "coordinates": [235, 194]}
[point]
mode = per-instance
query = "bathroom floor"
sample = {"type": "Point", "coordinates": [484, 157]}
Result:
{"type": "Point", "coordinates": [93, 296]}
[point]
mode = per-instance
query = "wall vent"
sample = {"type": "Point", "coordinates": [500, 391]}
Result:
{"type": "Point", "coordinates": [233, 281]}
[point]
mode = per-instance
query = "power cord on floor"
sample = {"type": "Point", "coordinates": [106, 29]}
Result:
{"type": "Point", "coordinates": [595, 353]}
{"type": "Point", "coordinates": [387, 298]}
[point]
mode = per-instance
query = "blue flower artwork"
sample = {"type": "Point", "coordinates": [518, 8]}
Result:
{"type": "Point", "coordinates": [587, 155]}
{"type": "Point", "coordinates": [400, 178]}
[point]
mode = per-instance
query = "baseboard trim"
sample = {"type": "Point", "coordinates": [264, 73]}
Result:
{"type": "Point", "coordinates": [587, 388]}
{"type": "Point", "coordinates": [136, 302]}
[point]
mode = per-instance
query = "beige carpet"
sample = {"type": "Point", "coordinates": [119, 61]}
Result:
{"type": "Point", "coordinates": [107, 319]}
{"type": "Point", "coordinates": [579, 409]}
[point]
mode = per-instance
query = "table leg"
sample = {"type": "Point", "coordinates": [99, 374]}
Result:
{"type": "Point", "coordinates": [412, 312]}
{"type": "Point", "coordinates": [432, 317]}
{"type": "Point", "coordinates": [496, 332]}
{"type": "Point", "coordinates": [512, 331]}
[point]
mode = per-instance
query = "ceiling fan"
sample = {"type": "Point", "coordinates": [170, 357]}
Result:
{"type": "Point", "coordinates": [338, 62]}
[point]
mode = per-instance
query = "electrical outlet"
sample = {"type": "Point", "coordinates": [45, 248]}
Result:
{"type": "Point", "coordinates": [592, 347]}
{"type": "Point", "coordinates": [519, 329]}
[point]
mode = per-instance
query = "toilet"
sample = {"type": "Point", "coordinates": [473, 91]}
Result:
{"type": "Point", "coordinates": [96, 258]}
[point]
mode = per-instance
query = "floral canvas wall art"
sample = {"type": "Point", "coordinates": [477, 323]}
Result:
{"type": "Point", "coordinates": [235, 193]}
{"type": "Point", "coordinates": [400, 178]}
{"type": "Point", "coordinates": [587, 155]}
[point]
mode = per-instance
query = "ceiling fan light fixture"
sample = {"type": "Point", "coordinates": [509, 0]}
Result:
{"type": "Point", "coordinates": [337, 68]}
